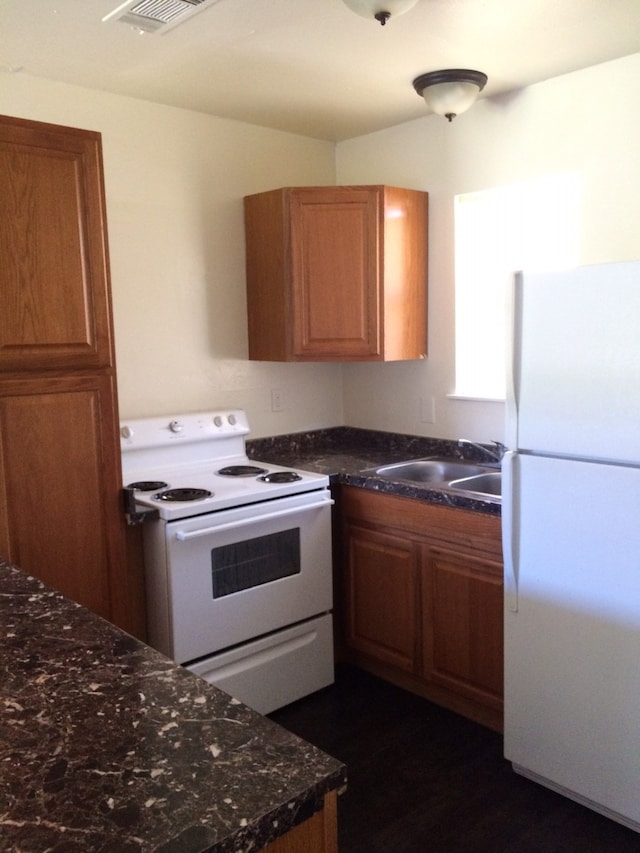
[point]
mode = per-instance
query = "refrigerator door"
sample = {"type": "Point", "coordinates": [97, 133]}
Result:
{"type": "Point", "coordinates": [576, 363]}
{"type": "Point", "coordinates": [572, 640]}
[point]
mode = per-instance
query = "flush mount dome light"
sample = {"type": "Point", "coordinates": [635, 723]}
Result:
{"type": "Point", "coordinates": [381, 10]}
{"type": "Point", "coordinates": [449, 93]}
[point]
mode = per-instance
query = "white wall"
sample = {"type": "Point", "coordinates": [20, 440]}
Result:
{"type": "Point", "coordinates": [174, 186]}
{"type": "Point", "coordinates": [587, 122]}
{"type": "Point", "coordinates": [175, 181]}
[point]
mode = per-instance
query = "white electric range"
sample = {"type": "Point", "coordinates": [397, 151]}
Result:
{"type": "Point", "coordinates": [237, 556]}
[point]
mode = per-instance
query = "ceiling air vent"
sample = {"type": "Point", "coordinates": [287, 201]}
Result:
{"type": "Point", "coordinates": [153, 16]}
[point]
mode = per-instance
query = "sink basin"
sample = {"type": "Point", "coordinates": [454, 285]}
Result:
{"type": "Point", "coordinates": [448, 474]}
{"type": "Point", "coordinates": [434, 470]}
{"type": "Point", "coordinates": [484, 484]}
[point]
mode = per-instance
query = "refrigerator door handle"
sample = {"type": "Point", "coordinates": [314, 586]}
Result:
{"type": "Point", "coordinates": [509, 530]}
{"type": "Point", "coordinates": [513, 361]}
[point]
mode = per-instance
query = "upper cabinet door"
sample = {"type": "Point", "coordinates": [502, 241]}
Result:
{"type": "Point", "coordinates": [334, 266]}
{"type": "Point", "coordinates": [54, 286]}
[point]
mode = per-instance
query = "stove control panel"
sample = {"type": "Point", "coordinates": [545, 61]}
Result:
{"type": "Point", "coordinates": [187, 428]}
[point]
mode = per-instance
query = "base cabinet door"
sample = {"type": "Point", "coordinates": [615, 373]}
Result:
{"type": "Point", "coordinates": [462, 619]}
{"type": "Point", "coordinates": [382, 597]}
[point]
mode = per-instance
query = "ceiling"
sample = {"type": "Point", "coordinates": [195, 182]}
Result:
{"type": "Point", "coordinates": [312, 67]}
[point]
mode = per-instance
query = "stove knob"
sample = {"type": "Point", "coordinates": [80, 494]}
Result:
{"type": "Point", "coordinates": [232, 419]}
{"type": "Point", "coordinates": [126, 432]}
{"type": "Point", "coordinates": [176, 426]}
{"type": "Point", "coordinates": [217, 421]}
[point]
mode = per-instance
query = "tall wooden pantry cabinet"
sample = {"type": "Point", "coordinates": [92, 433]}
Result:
{"type": "Point", "coordinates": [60, 483]}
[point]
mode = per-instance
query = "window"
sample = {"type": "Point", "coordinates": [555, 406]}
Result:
{"type": "Point", "coordinates": [530, 226]}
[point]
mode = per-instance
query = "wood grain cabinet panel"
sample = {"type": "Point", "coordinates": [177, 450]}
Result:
{"type": "Point", "coordinates": [463, 637]}
{"type": "Point", "coordinates": [54, 286]}
{"type": "Point", "coordinates": [61, 516]}
{"type": "Point", "coordinates": [54, 459]}
{"type": "Point", "coordinates": [337, 274]}
{"type": "Point", "coordinates": [318, 834]}
{"type": "Point", "coordinates": [382, 596]}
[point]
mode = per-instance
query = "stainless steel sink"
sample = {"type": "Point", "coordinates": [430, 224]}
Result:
{"type": "Point", "coordinates": [432, 470]}
{"type": "Point", "coordinates": [489, 483]}
{"type": "Point", "coordinates": [449, 474]}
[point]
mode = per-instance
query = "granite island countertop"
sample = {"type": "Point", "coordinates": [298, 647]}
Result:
{"type": "Point", "coordinates": [108, 746]}
{"type": "Point", "coordinates": [346, 454]}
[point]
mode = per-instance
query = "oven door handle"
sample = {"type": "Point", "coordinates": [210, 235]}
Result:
{"type": "Point", "coordinates": [184, 535]}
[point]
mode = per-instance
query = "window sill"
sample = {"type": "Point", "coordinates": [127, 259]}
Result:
{"type": "Point", "coordinates": [475, 399]}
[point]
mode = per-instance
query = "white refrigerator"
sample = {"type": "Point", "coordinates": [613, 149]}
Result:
{"type": "Point", "coordinates": [571, 536]}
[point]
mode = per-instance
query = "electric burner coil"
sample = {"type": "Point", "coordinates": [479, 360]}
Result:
{"type": "Point", "coordinates": [280, 477]}
{"type": "Point", "coordinates": [147, 485]}
{"type": "Point", "coordinates": [185, 494]}
{"type": "Point", "coordinates": [241, 471]}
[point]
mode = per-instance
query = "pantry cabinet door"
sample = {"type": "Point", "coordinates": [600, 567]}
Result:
{"type": "Point", "coordinates": [60, 514]}
{"type": "Point", "coordinates": [54, 288]}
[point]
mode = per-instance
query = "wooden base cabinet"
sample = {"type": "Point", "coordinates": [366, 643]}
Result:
{"type": "Point", "coordinates": [337, 274]}
{"type": "Point", "coordinates": [423, 599]}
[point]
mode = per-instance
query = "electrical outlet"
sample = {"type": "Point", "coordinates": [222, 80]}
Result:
{"type": "Point", "coordinates": [277, 400]}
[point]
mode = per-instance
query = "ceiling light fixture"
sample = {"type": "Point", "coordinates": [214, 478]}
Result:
{"type": "Point", "coordinates": [381, 10]}
{"type": "Point", "coordinates": [449, 93]}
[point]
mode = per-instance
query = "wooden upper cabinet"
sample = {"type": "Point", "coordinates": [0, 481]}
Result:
{"type": "Point", "coordinates": [54, 272]}
{"type": "Point", "coordinates": [337, 274]}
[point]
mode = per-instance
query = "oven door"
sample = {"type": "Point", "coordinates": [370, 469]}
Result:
{"type": "Point", "coordinates": [237, 574]}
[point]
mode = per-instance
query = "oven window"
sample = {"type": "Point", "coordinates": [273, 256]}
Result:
{"type": "Point", "coordinates": [253, 562]}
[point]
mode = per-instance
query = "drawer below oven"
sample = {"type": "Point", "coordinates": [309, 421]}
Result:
{"type": "Point", "coordinates": [277, 669]}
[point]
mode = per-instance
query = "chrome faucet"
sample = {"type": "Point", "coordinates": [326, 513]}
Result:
{"type": "Point", "coordinates": [496, 455]}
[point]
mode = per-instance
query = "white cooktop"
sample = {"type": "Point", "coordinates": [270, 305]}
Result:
{"type": "Point", "coordinates": [187, 451]}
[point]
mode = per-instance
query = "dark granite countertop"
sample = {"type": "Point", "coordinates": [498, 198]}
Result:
{"type": "Point", "coordinates": [108, 746]}
{"type": "Point", "coordinates": [345, 454]}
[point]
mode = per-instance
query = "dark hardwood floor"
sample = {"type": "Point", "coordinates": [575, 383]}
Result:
{"type": "Point", "coordinates": [425, 780]}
